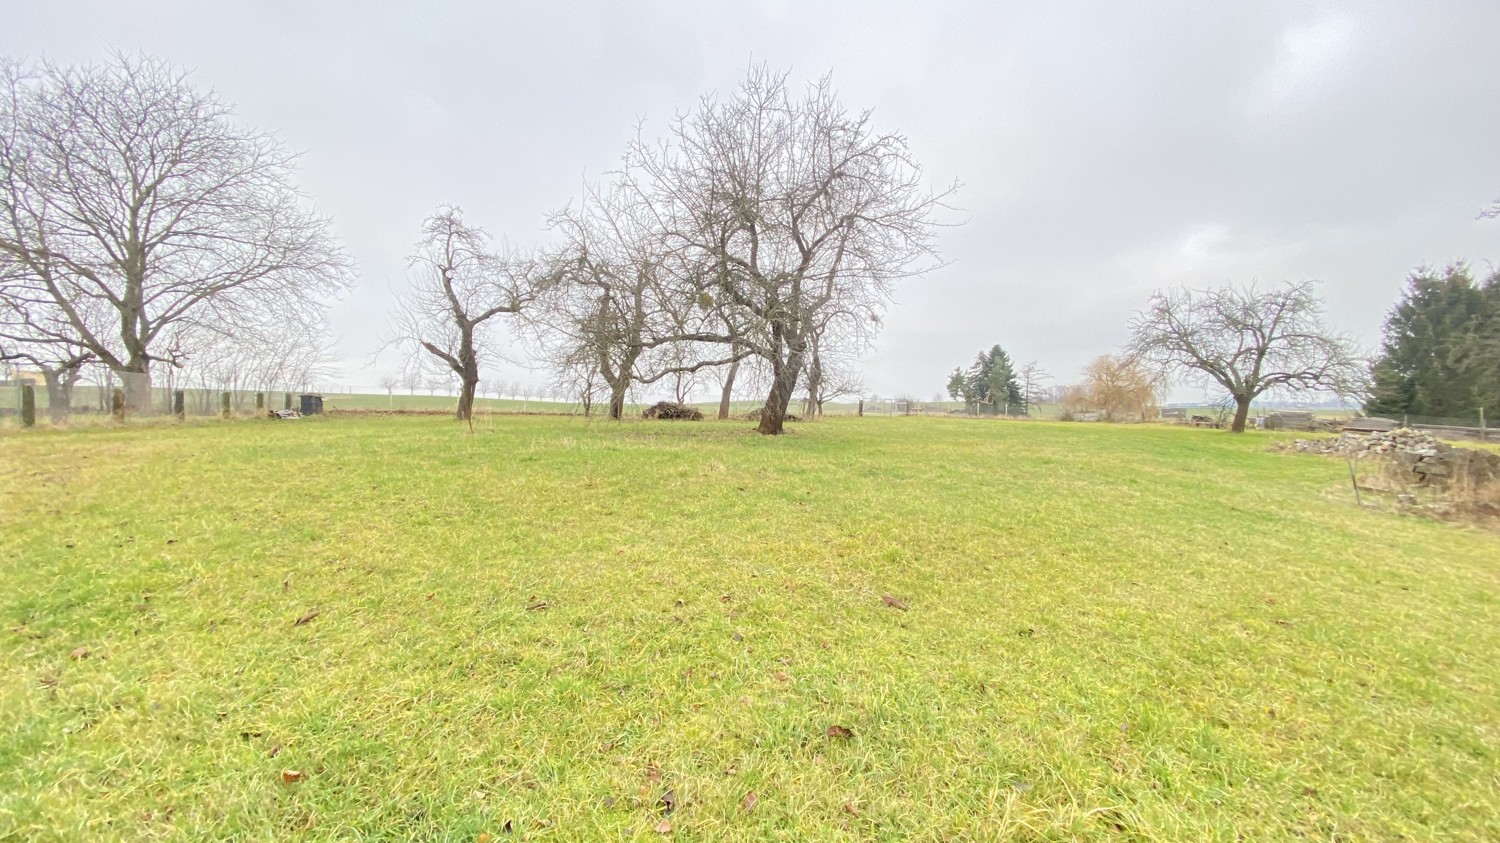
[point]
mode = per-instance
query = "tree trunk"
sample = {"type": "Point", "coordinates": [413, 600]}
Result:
{"type": "Point", "coordinates": [617, 400]}
{"type": "Point", "coordinates": [1241, 412]}
{"type": "Point", "coordinates": [783, 383]}
{"type": "Point", "coordinates": [468, 383]}
{"type": "Point", "coordinates": [57, 394]}
{"type": "Point", "coordinates": [135, 376]}
{"type": "Point", "coordinates": [727, 392]}
{"type": "Point", "coordinates": [814, 387]}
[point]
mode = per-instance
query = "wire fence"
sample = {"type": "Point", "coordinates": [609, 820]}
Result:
{"type": "Point", "coordinates": [205, 401]}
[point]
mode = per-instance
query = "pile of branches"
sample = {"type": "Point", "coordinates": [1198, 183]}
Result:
{"type": "Point", "coordinates": [671, 410]}
{"type": "Point", "coordinates": [755, 414]}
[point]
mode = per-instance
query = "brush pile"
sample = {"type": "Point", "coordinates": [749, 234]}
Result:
{"type": "Point", "coordinates": [672, 411]}
{"type": "Point", "coordinates": [755, 414]}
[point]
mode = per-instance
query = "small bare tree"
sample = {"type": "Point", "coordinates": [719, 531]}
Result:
{"type": "Point", "coordinates": [1247, 341]}
{"type": "Point", "coordinates": [389, 382]}
{"type": "Point", "coordinates": [1033, 380]}
{"type": "Point", "coordinates": [617, 297]}
{"type": "Point", "coordinates": [457, 286]}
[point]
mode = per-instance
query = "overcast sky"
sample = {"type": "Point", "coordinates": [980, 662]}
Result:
{"type": "Point", "coordinates": [1106, 149]}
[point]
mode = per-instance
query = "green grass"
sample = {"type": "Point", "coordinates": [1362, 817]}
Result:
{"type": "Point", "coordinates": [1114, 633]}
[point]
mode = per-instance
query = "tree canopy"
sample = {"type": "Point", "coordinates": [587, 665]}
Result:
{"type": "Point", "coordinates": [1441, 351]}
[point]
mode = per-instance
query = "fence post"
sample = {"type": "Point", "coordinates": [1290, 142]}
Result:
{"type": "Point", "coordinates": [1483, 434]}
{"type": "Point", "coordinates": [28, 405]}
{"type": "Point", "coordinates": [260, 403]}
{"type": "Point", "coordinates": [224, 399]}
{"type": "Point", "coordinates": [117, 405]}
{"type": "Point", "coordinates": [288, 396]}
{"type": "Point", "coordinates": [179, 404]}
{"type": "Point", "coordinates": [861, 406]}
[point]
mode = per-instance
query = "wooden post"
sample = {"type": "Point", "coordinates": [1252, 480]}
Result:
{"type": "Point", "coordinates": [861, 406]}
{"type": "Point", "coordinates": [260, 403]}
{"type": "Point", "coordinates": [288, 396]}
{"type": "Point", "coordinates": [179, 404]}
{"type": "Point", "coordinates": [28, 405]}
{"type": "Point", "coordinates": [224, 398]}
{"type": "Point", "coordinates": [117, 405]}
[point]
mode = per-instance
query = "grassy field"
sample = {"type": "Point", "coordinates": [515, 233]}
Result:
{"type": "Point", "coordinates": [387, 629]}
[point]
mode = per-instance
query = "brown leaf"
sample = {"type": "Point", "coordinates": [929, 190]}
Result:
{"type": "Point", "coordinates": [750, 801]}
{"type": "Point", "coordinates": [79, 653]}
{"type": "Point", "coordinates": [782, 676]}
{"type": "Point", "coordinates": [891, 600]}
{"type": "Point", "coordinates": [538, 605]}
{"type": "Point", "coordinates": [275, 750]}
{"type": "Point", "coordinates": [308, 618]}
{"type": "Point", "coordinates": [484, 837]}
{"type": "Point", "coordinates": [653, 774]}
{"type": "Point", "coordinates": [291, 776]}
{"type": "Point", "coordinates": [837, 731]}
{"type": "Point", "coordinates": [850, 809]}
{"type": "Point", "coordinates": [664, 827]}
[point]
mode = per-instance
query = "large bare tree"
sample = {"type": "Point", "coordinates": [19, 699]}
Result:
{"type": "Point", "coordinates": [459, 283]}
{"type": "Point", "coordinates": [1247, 341]}
{"type": "Point", "coordinates": [779, 208]}
{"type": "Point", "coordinates": [124, 186]}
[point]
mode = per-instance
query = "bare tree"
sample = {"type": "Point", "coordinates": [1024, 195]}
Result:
{"type": "Point", "coordinates": [411, 377]}
{"type": "Point", "coordinates": [389, 382]}
{"type": "Point", "coordinates": [123, 186]}
{"type": "Point", "coordinates": [458, 285]}
{"type": "Point", "coordinates": [1248, 341]}
{"type": "Point", "coordinates": [1033, 380]}
{"type": "Point", "coordinates": [619, 300]}
{"type": "Point", "coordinates": [34, 332]}
{"type": "Point", "coordinates": [780, 208]}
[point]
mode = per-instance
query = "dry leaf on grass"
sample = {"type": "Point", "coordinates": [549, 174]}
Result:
{"type": "Point", "coordinates": [664, 827]}
{"type": "Point", "coordinates": [891, 600]}
{"type": "Point", "coordinates": [292, 776]}
{"type": "Point", "coordinates": [79, 653]}
{"type": "Point", "coordinates": [307, 618]}
{"type": "Point", "coordinates": [751, 800]}
{"type": "Point", "coordinates": [837, 731]}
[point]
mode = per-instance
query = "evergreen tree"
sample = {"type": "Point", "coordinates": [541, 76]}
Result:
{"type": "Point", "coordinates": [958, 388]}
{"type": "Point", "coordinates": [1441, 353]}
{"type": "Point", "coordinates": [990, 383]}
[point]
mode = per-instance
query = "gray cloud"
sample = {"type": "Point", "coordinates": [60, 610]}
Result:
{"type": "Point", "coordinates": [1106, 149]}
